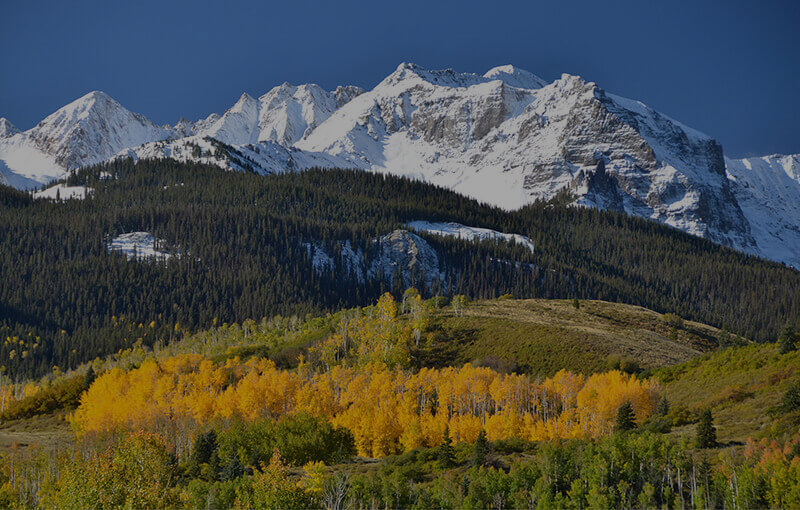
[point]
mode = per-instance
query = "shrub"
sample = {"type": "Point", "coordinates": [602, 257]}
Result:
{"type": "Point", "coordinates": [673, 320]}
{"type": "Point", "coordinates": [299, 439]}
{"type": "Point", "coordinates": [62, 394]}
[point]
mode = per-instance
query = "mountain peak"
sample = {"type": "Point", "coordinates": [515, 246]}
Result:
{"type": "Point", "coordinates": [515, 77]}
{"type": "Point", "coordinates": [7, 128]}
{"type": "Point", "coordinates": [413, 73]}
{"type": "Point", "coordinates": [96, 95]}
{"type": "Point", "coordinates": [245, 98]}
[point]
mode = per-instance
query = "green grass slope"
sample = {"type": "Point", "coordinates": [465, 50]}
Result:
{"type": "Point", "coordinates": [541, 336]}
{"type": "Point", "coordinates": [743, 386]}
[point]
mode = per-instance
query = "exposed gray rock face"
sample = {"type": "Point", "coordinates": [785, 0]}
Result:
{"type": "Point", "coordinates": [345, 94]}
{"type": "Point", "coordinates": [397, 254]}
{"type": "Point", "coordinates": [410, 256]}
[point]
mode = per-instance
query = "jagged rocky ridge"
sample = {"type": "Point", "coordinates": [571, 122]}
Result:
{"type": "Point", "coordinates": [400, 254]}
{"type": "Point", "coordinates": [506, 138]}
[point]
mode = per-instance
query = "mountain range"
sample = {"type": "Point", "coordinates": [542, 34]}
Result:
{"type": "Point", "coordinates": [507, 138]}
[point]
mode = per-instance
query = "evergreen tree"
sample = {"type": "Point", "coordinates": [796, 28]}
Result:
{"type": "Point", "coordinates": [663, 407]}
{"type": "Point", "coordinates": [706, 431]}
{"type": "Point", "coordinates": [204, 459]}
{"type": "Point", "coordinates": [89, 378]}
{"type": "Point", "coordinates": [233, 469]}
{"type": "Point", "coordinates": [724, 339]}
{"type": "Point", "coordinates": [576, 304]}
{"type": "Point", "coordinates": [787, 339]}
{"type": "Point", "coordinates": [481, 449]}
{"type": "Point", "coordinates": [791, 399]}
{"type": "Point", "coordinates": [626, 419]}
{"type": "Point", "coordinates": [446, 455]}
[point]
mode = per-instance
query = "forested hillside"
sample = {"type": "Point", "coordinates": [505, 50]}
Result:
{"type": "Point", "coordinates": [341, 411]}
{"type": "Point", "coordinates": [240, 250]}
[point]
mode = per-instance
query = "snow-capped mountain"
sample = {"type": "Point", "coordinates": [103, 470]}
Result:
{"type": "Point", "coordinates": [282, 115]}
{"type": "Point", "coordinates": [506, 137]}
{"type": "Point", "coordinates": [768, 191]}
{"type": "Point", "coordinates": [264, 157]}
{"type": "Point", "coordinates": [95, 128]}
{"type": "Point", "coordinates": [509, 146]}
{"type": "Point", "coordinates": [89, 130]}
{"type": "Point", "coordinates": [7, 128]}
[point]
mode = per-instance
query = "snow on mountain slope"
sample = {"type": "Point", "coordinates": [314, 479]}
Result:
{"type": "Point", "coordinates": [768, 191]}
{"type": "Point", "coordinates": [24, 166]}
{"type": "Point", "coordinates": [507, 138]}
{"type": "Point", "coordinates": [63, 192]}
{"type": "Point", "coordinates": [92, 129]}
{"type": "Point", "coordinates": [465, 232]}
{"type": "Point", "coordinates": [264, 157]}
{"type": "Point", "coordinates": [7, 128]}
{"type": "Point", "coordinates": [509, 146]}
{"type": "Point", "coordinates": [89, 130]}
{"type": "Point", "coordinates": [515, 77]}
{"type": "Point", "coordinates": [139, 246]}
{"type": "Point", "coordinates": [95, 128]}
{"type": "Point", "coordinates": [282, 115]}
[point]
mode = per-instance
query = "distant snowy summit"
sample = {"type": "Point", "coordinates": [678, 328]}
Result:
{"type": "Point", "coordinates": [506, 137]}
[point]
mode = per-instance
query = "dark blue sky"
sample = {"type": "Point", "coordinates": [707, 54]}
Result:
{"type": "Point", "coordinates": [729, 68]}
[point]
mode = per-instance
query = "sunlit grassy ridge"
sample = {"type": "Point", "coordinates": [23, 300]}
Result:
{"type": "Point", "coordinates": [740, 385]}
{"type": "Point", "coordinates": [540, 336]}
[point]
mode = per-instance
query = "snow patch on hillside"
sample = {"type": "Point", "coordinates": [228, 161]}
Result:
{"type": "Point", "coordinates": [139, 246]}
{"type": "Point", "coordinates": [457, 230]}
{"type": "Point", "coordinates": [63, 192]}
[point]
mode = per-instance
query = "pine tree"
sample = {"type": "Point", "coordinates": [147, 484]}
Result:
{"type": "Point", "coordinates": [89, 378]}
{"type": "Point", "coordinates": [233, 469]}
{"type": "Point", "coordinates": [204, 452]}
{"type": "Point", "coordinates": [791, 399]}
{"type": "Point", "coordinates": [626, 419]}
{"type": "Point", "coordinates": [481, 449]}
{"type": "Point", "coordinates": [706, 431]}
{"type": "Point", "coordinates": [576, 304]}
{"type": "Point", "coordinates": [446, 454]}
{"type": "Point", "coordinates": [663, 407]}
{"type": "Point", "coordinates": [724, 339]}
{"type": "Point", "coordinates": [786, 339]}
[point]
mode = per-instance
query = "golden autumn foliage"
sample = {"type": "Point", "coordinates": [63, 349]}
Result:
{"type": "Point", "coordinates": [373, 335]}
{"type": "Point", "coordinates": [386, 409]}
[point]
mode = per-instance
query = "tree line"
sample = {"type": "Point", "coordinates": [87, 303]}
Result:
{"type": "Point", "coordinates": [240, 253]}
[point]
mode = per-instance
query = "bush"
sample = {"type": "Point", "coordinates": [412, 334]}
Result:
{"type": "Point", "coordinates": [62, 394]}
{"type": "Point", "coordinates": [672, 320]}
{"type": "Point", "coordinates": [299, 439]}
{"type": "Point", "coordinates": [787, 340]}
{"type": "Point", "coordinates": [512, 445]}
{"type": "Point", "coordinates": [202, 494]}
{"type": "Point", "coordinates": [681, 416]}
{"type": "Point", "coordinates": [658, 425]}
